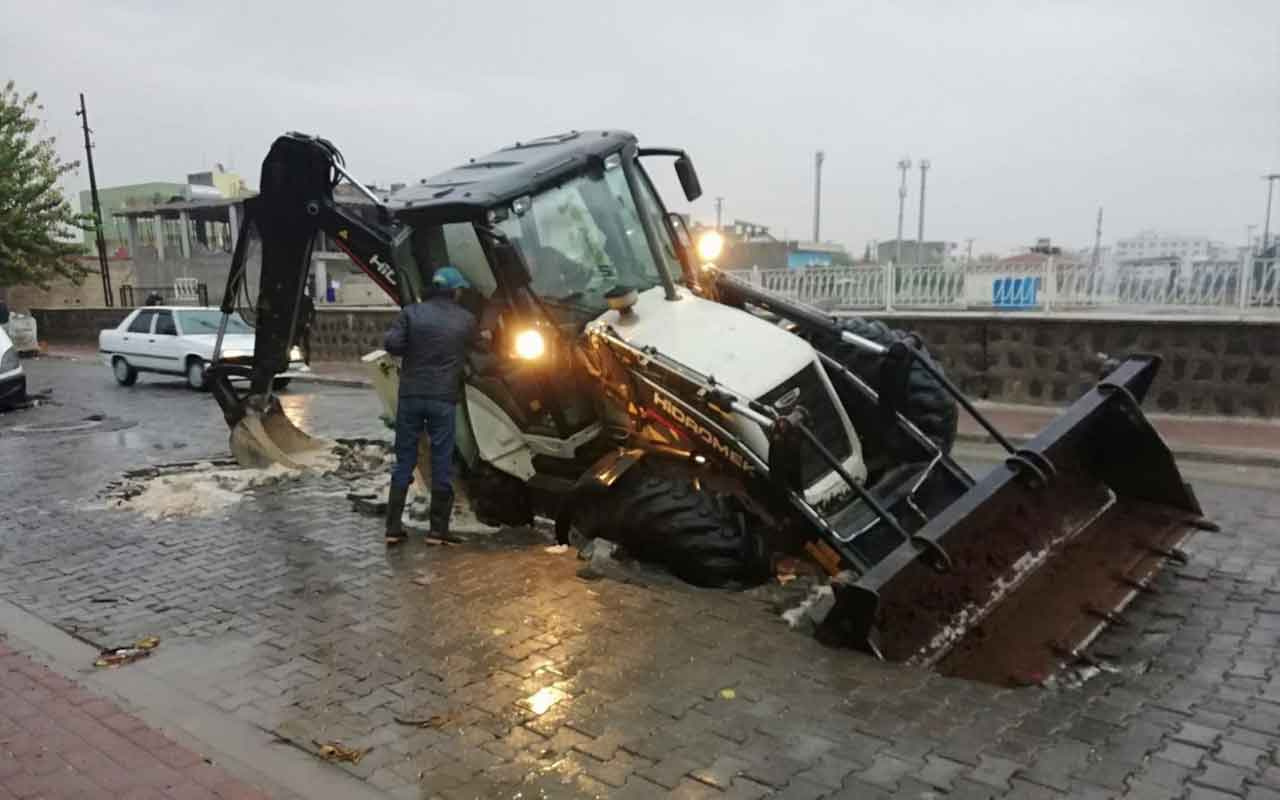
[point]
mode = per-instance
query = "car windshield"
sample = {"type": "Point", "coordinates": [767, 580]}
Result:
{"type": "Point", "coordinates": [583, 238]}
{"type": "Point", "coordinates": [195, 323]}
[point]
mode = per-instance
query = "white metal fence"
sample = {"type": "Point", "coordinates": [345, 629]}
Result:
{"type": "Point", "coordinates": [1251, 286]}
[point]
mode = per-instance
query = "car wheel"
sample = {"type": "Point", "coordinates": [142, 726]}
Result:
{"type": "Point", "coordinates": [125, 374]}
{"type": "Point", "coordinates": [195, 374]}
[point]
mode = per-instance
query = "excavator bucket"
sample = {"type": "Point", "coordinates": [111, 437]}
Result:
{"type": "Point", "coordinates": [1025, 568]}
{"type": "Point", "coordinates": [261, 439]}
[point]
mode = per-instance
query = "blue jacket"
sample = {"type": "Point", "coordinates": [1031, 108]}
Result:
{"type": "Point", "coordinates": [431, 338]}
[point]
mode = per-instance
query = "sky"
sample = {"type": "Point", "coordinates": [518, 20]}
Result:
{"type": "Point", "coordinates": [1032, 114]}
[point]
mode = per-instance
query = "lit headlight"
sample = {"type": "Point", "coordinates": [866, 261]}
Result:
{"type": "Point", "coordinates": [710, 246]}
{"type": "Point", "coordinates": [530, 345]}
{"type": "Point", "coordinates": [295, 354]}
{"type": "Point", "coordinates": [9, 360]}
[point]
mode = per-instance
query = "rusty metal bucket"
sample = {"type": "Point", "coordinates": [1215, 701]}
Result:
{"type": "Point", "coordinates": [1040, 554]}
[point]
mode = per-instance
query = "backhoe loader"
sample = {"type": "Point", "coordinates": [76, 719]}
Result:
{"type": "Point", "coordinates": [631, 390]}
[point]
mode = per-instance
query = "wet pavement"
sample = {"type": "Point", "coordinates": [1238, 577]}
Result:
{"type": "Point", "coordinates": [493, 670]}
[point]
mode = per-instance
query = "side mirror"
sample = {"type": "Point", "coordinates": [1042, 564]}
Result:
{"type": "Point", "coordinates": [4, 314]}
{"type": "Point", "coordinates": [688, 178]}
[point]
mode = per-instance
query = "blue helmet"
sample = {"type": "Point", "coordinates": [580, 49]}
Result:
{"type": "Point", "coordinates": [448, 277]}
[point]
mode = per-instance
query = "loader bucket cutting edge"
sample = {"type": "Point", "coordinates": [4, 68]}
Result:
{"type": "Point", "coordinates": [261, 439]}
{"type": "Point", "coordinates": [1036, 571]}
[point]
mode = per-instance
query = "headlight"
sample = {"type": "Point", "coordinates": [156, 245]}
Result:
{"type": "Point", "coordinates": [710, 246]}
{"type": "Point", "coordinates": [530, 345]}
{"type": "Point", "coordinates": [295, 354]}
{"type": "Point", "coordinates": [9, 360]}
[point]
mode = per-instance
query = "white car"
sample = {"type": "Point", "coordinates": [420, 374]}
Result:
{"type": "Point", "coordinates": [177, 341]}
{"type": "Point", "coordinates": [13, 381]}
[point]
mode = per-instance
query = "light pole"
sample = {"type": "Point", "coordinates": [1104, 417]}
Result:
{"type": "Point", "coordinates": [1266, 224]}
{"type": "Point", "coordinates": [924, 171]}
{"type": "Point", "coordinates": [97, 208]}
{"type": "Point", "coordinates": [903, 166]}
{"type": "Point", "coordinates": [818, 158]}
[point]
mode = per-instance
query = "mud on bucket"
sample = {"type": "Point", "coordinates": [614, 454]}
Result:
{"type": "Point", "coordinates": [1041, 557]}
{"type": "Point", "coordinates": [263, 438]}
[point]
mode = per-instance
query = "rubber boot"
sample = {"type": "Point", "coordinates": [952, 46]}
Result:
{"type": "Point", "coordinates": [395, 510]}
{"type": "Point", "coordinates": [439, 513]}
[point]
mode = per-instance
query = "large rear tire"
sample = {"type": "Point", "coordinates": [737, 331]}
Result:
{"type": "Point", "coordinates": [668, 521]}
{"type": "Point", "coordinates": [928, 405]}
{"type": "Point", "coordinates": [497, 499]}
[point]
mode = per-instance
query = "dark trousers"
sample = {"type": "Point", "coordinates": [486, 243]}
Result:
{"type": "Point", "coordinates": [438, 418]}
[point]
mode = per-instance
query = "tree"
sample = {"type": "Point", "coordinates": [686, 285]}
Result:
{"type": "Point", "coordinates": [35, 219]}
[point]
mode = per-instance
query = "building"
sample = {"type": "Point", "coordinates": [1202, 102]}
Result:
{"type": "Point", "coordinates": [747, 245]}
{"type": "Point", "coordinates": [115, 199]}
{"type": "Point", "coordinates": [228, 184]}
{"type": "Point", "coordinates": [929, 253]}
{"type": "Point", "coordinates": [211, 185]}
{"type": "Point", "coordinates": [1151, 244]}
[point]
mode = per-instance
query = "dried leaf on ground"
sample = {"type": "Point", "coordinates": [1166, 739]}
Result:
{"type": "Point", "coordinates": [434, 721]}
{"type": "Point", "coordinates": [116, 656]}
{"type": "Point", "coordinates": [336, 751]}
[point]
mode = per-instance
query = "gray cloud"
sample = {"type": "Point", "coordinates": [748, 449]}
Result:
{"type": "Point", "coordinates": [1033, 113]}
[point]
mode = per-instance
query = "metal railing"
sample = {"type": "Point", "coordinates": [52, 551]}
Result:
{"type": "Point", "coordinates": [1249, 286]}
{"type": "Point", "coordinates": [182, 292]}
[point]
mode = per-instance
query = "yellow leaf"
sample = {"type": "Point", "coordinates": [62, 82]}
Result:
{"type": "Point", "coordinates": [728, 694]}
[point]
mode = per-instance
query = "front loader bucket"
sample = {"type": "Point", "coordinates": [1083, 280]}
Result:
{"type": "Point", "coordinates": [263, 438]}
{"type": "Point", "coordinates": [1031, 562]}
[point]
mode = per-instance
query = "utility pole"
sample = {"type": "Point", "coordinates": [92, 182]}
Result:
{"type": "Point", "coordinates": [903, 166]}
{"type": "Point", "coordinates": [818, 158]}
{"type": "Point", "coordinates": [1097, 241]}
{"type": "Point", "coordinates": [924, 171]}
{"type": "Point", "coordinates": [719, 210]}
{"type": "Point", "coordinates": [1266, 224]}
{"type": "Point", "coordinates": [97, 207]}
{"type": "Point", "coordinates": [968, 251]}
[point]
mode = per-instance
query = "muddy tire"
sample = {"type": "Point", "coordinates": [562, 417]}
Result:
{"type": "Point", "coordinates": [665, 520]}
{"type": "Point", "coordinates": [125, 374]}
{"type": "Point", "coordinates": [196, 378]}
{"type": "Point", "coordinates": [928, 405]}
{"type": "Point", "coordinates": [497, 499]}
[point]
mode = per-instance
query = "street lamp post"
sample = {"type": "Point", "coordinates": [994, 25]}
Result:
{"type": "Point", "coordinates": [1266, 223]}
{"type": "Point", "coordinates": [903, 166]}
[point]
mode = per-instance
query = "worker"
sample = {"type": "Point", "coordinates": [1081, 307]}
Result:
{"type": "Point", "coordinates": [431, 339]}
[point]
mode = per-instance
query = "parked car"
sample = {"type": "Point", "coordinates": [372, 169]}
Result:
{"type": "Point", "coordinates": [13, 381]}
{"type": "Point", "coordinates": [177, 340]}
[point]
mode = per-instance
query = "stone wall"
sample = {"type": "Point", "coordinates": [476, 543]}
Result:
{"type": "Point", "coordinates": [76, 325]}
{"type": "Point", "coordinates": [342, 334]}
{"type": "Point", "coordinates": [1211, 366]}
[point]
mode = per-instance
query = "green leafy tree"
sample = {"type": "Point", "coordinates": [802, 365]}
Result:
{"type": "Point", "coordinates": [35, 218]}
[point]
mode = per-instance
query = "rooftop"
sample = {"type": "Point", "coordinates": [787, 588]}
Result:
{"type": "Point", "coordinates": [513, 171]}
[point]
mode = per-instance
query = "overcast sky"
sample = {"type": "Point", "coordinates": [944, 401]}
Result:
{"type": "Point", "coordinates": [1032, 113]}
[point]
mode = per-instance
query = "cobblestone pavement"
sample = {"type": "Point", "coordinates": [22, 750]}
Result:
{"type": "Point", "coordinates": [288, 612]}
{"type": "Point", "coordinates": [57, 740]}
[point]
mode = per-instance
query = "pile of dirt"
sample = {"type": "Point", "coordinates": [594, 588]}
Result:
{"type": "Point", "coordinates": [202, 488]}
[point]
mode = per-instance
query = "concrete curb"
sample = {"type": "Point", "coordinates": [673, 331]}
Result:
{"type": "Point", "coordinates": [326, 380]}
{"type": "Point", "coordinates": [1235, 457]}
{"type": "Point", "coordinates": [242, 749]}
